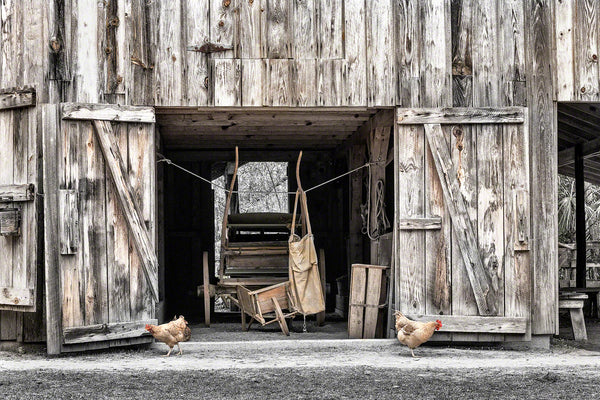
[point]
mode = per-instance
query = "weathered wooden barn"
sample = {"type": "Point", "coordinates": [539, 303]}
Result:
{"type": "Point", "coordinates": [455, 101]}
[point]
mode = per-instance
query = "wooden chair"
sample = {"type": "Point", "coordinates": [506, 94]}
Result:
{"type": "Point", "coordinates": [266, 305]}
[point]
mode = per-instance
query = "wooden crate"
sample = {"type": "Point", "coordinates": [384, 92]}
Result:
{"type": "Point", "coordinates": [368, 293]}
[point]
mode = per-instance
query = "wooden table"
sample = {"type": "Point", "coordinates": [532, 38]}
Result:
{"type": "Point", "coordinates": [573, 302]}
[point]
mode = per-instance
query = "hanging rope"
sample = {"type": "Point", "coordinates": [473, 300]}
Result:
{"type": "Point", "coordinates": [214, 185]}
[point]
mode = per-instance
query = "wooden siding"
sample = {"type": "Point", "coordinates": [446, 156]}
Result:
{"type": "Point", "coordinates": [408, 53]}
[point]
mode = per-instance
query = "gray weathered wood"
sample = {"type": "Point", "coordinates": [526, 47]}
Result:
{"type": "Point", "coordinates": [68, 204]}
{"type": "Point", "coordinates": [420, 223]}
{"type": "Point", "coordinates": [358, 285]}
{"type": "Point", "coordinates": [460, 115]}
{"type": "Point", "coordinates": [17, 99]}
{"type": "Point", "coordinates": [135, 223]}
{"type": "Point", "coordinates": [103, 332]}
{"type": "Point", "coordinates": [476, 324]}
{"type": "Point", "coordinates": [107, 112]}
{"type": "Point", "coordinates": [49, 119]}
{"type": "Point", "coordinates": [17, 297]}
{"type": "Point", "coordinates": [463, 231]}
{"type": "Point", "coordinates": [12, 192]}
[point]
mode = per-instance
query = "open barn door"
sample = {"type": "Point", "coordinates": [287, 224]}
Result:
{"type": "Point", "coordinates": [462, 220]}
{"type": "Point", "coordinates": [99, 187]}
{"type": "Point", "coordinates": [18, 202]}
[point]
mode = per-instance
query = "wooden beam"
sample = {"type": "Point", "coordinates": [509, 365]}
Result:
{"type": "Point", "coordinates": [485, 294]}
{"type": "Point", "coordinates": [580, 228]}
{"type": "Point", "coordinates": [461, 115]}
{"type": "Point", "coordinates": [130, 208]}
{"type": "Point", "coordinates": [420, 223]}
{"type": "Point", "coordinates": [10, 193]}
{"type": "Point", "coordinates": [476, 324]}
{"type": "Point", "coordinates": [104, 332]}
{"type": "Point", "coordinates": [588, 150]}
{"type": "Point", "coordinates": [108, 112]}
{"type": "Point", "coordinates": [16, 98]}
{"type": "Point", "coordinates": [16, 296]}
{"type": "Point", "coordinates": [51, 254]}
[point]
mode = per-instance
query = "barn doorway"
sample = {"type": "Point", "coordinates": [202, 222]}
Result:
{"type": "Point", "coordinates": [202, 141]}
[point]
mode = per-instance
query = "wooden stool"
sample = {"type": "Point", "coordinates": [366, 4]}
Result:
{"type": "Point", "coordinates": [574, 303]}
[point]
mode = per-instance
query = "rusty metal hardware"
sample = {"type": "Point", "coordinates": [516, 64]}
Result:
{"type": "Point", "coordinates": [209, 47]}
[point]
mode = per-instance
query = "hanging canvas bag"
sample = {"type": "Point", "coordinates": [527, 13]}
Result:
{"type": "Point", "coordinates": [307, 292]}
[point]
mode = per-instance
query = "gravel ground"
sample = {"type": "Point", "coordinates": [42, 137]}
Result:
{"type": "Point", "coordinates": [223, 363]}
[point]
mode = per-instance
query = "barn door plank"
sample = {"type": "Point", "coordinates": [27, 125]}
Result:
{"type": "Point", "coordinates": [485, 295]}
{"type": "Point", "coordinates": [126, 197]}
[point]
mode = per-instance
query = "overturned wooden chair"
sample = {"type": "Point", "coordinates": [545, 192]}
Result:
{"type": "Point", "coordinates": [266, 305]}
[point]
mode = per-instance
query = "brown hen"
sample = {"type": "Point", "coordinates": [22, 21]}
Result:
{"type": "Point", "coordinates": [171, 333]}
{"type": "Point", "coordinates": [414, 333]}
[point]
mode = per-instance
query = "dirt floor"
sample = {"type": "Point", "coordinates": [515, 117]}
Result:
{"type": "Point", "coordinates": [240, 365]}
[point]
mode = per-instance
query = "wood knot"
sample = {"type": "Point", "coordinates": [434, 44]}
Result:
{"type": "Point", "coordinates": [113, 22]}
{"type": "Point", "coordinates": [226, 3]}
{"type": "Point", "coordinates": [206, 82]}
{"type": "Point", "coordinates": [107, 50]}
{"type": "Point", "coordinates": [250, 2]}
{"type": "Point", "coordinates": [595, 57]}
{"type": "Point", "coordinates": [55, 44]}
{"type": "Point", "coordinates": [173, 57]}
{"type": "Point", "coordinates": [582, 89]}
{"type": "Point", "coordinates": [119, 79]}
{"type": "Point", "coordinates": [221, 23]}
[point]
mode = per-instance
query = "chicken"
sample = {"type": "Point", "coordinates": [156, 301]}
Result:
{"type": "Point", "coordinates": [171, 333]}
{"type": "Point", "coordinates": [414, 333]}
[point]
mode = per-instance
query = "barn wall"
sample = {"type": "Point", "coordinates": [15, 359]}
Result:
{"type": "Point", "coordinates": [309, 53]}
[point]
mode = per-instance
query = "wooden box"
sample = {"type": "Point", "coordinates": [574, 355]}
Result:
{"type": "Point", "coordinates": [368, 293]}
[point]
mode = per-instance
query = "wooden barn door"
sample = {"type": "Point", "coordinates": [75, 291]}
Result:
{"type": "Point", "coordinates": [18, 207]}
{"type": "Point", "coordinates": [462, 192]}
{"type": "Point", "coordinates": [99, 181]}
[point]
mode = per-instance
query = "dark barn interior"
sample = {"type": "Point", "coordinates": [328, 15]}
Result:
{"type": "Point", "coordinates": [202, 139]}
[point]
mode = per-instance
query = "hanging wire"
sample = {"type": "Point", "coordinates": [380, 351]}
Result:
{"type": "Point", "coordinates": [214, 185]}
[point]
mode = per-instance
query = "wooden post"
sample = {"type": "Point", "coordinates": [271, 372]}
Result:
{"type": "Point", "coordinates": [580, 217]}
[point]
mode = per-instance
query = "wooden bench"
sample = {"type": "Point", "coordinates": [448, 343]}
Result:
{"type": "Point", "coordinates": [594, 296]}
{"type": "Point", "coordinates": [573, 302]}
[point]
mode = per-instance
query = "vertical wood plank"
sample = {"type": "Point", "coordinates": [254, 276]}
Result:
{"type": "Point", "coordinates": [511, 26]}
{"type": "Point", "coordinates": [142, 177]}
{"type": "Point", "coordinates": [86, 85]}
{"type": "Point", "coordinates": [330, 83]}
{"type": "Point", "coordinates": [437, 92]}
{"type": "Point", "coordinates": [372, 297]}
{"type": "Point", "coordinates": [305, 76]}
{"type": "Point", "coordinates": [586, 52]}
{"type": "Point", "coordinates": [93, 221]}
{"type": "Point", "coordinates": [486, 63]}
{"type": "Point", "coordinates": [276, 29]}
{"type": "Point", "coordinates": [226, 80]}
{"type": "Point", "coordinates": [117, 243]}
{"type": "Point", "coordinates": [331, 30]}
{"type": "Point", "coordinates": [358, 284]}
{"type": "Point", "coordinates": [197, 32]}
{"type": "Point", "coordinates": [68, 170]}
{"type": "Point", "coordinates": [139, 57]}
{"type": "Point", "coordinates": [410, 269]}
{"type": "Point", "coordinates": [516, 181]}
{"type": "Point", "coordinates": [462, 64]}
{"type": "Point", "coordinates": [408, 43]}
{"type": "Point", "coordinates": [7, 166]}
{"type": "Point", "coordinates": [223, 26]}
{"type": "Point", "coordinates": [49, 125]}
{"type": "Point", "coordinates": [253, 81]}
{"type": "Point", "coordinates": [490, 208]}
{"type": "Point", "coordinates": [544, 183]}
{"type": "Point", "coordinates": [280, 89]}
{"type": "Point", "coordinates": [169, 69]}
{"type": "Point", "coordinates": [565, 85]}
{"type": "Point", "coordinates": [381, 69]}
{"type": "Point", "coordinates": [355, 46]}
{"type": "Point", "coordinates": [249, 43]}
{"type": "Point", "coordinates": [304, 40]}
